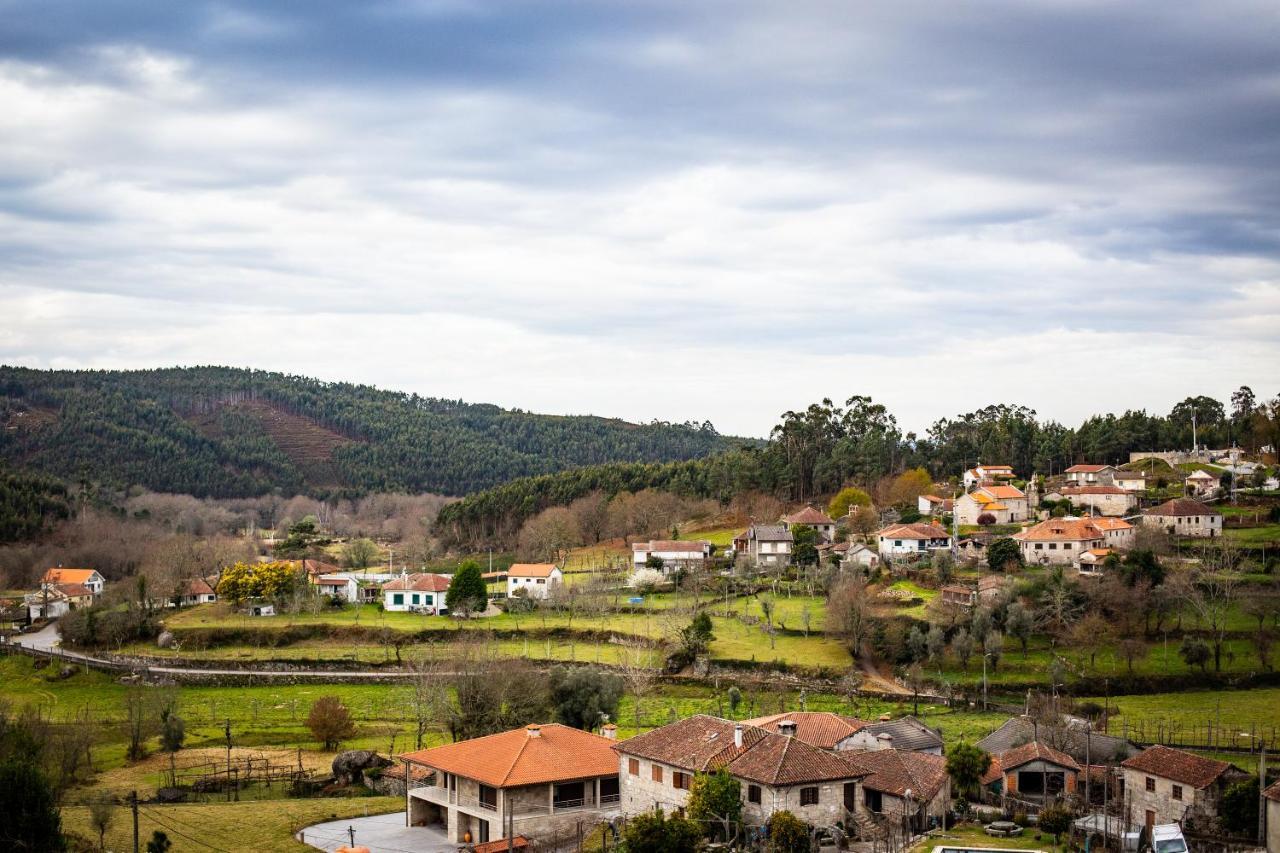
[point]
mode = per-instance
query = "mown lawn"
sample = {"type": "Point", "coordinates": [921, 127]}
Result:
{"type": "Point", "coordinates": [267, 825]}
{"type": "Point", "coordinates": [972, 836]}
{"type": "Point", "coordinates": [1263, 535]}
{"type": "Point", "coordinates": [1186, 709]}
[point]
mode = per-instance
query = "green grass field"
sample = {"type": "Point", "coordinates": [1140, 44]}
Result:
{"type": "Point", "coordinates": [1262, 535]}
{"type": "Point", "coordinates": [1239, 708]}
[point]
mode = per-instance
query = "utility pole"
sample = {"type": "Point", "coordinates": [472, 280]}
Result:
{"type": "Point", "coordinates": [133, 804]}
{"type": "Point", "coordinates": [1262, 801]}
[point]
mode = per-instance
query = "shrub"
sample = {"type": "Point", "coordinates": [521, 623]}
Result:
{"type": "Point", "coordinates": [330, 722]}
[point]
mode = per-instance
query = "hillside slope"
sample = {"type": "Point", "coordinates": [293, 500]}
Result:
{"type": "Point", "coordinates": [225, 432]}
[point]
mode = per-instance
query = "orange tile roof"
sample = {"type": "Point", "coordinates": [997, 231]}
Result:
{"type": "Point", "coordinates": [1035, 751]}
{"type": "Point", "coordinates": [500, 845]}
{"type": "Point", "coordinates": [419, 582]}
{"type": "Point", "coordinates": [996, 505]}
{"type": "Point", "coordinates": [1004, 492]}
{"type": "Point", "coordinates": [1093, 490]}
{"type": "Point", "coordinates": [808, 515]}
{"type": "Point", "coordinates": [531, 570]}
{"type": "Point", "coordinates": [822, 729]}
{"type": "Point", "coordinates": [913, 531]}
{"type": "Point", "coordinates": [61, 575]}
{"type": "Point", "coordinates": [1184, 767]}
{"type": "Point", "coordinates": [74, 590]}
{"type": "Point", "coordinates": [1060, 530]}
{"type": "Point", "coordinates": [513, 758]}
{"type": "Point", "coordinates": [1105, 524]}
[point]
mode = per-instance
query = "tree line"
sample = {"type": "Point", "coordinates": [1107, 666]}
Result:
{"type": "Point", "coordinates": [825, 447]}
{"type": "Point", "coordinates": [200, 431]}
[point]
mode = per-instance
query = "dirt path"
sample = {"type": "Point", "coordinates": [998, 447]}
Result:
{"type": "Point", "coordinates": [874, 678]}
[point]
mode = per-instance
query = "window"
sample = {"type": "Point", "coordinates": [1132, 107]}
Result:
{"type": "Point", "coordinates": [542, 580]}
{"type": "Point", "coordinates": [415, 598]}
{"type": "Point", "coordinates": [1177, 792]}
{"type": "Point", "coordinates": [680, 780]}
{"type": "Point", "coordinates": [1053, 546]}
{"type": "Point", "coordinates": [633, 766]}
{"type": "Point", "coordinates": [428, 599]}
{"type": "Point", "coordinates": [808, 796]}
{"type": "Point", "coordinates": [753, 794]}
{"type": "Point", "coordinates": [397, 598]}
{"type": "Point", "coordinates": [1039, 546]}
{"type": "Point", "coordinates": [897, 543]}
{"type": "Point", "coordinates": [1151, 784]}
{"type": "Point", "coordinates": [488, 797]}
{"type": "Point", "coordinates": [1066, 546]}
{"type": "Point", "coordinates": [656, 773]}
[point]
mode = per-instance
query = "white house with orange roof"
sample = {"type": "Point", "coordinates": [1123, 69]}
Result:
{"type": "Point", "coordinates": [1007, 504]}
{"type": "Point", "coordinates": [982, 475]}
{"type": "Point", "coordinates": [536, 579]}
{"type": "Point", "coordinates": [420, 592]}
{"type": "Point", "coordinates": [90, 579]}
{"type": "Point", "coordinates": [1117, 533]}
{"type": "Point", "coordinates": [1059, 541]}
{"type": "Point", "coordinates": [902, 540]}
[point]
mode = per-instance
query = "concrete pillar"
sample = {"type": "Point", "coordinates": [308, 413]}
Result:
{"type": "Point", "coordinates": [551, 798]}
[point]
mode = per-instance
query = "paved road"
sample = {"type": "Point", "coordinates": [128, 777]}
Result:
{"type": "Point", "coordinates": [381, 834]}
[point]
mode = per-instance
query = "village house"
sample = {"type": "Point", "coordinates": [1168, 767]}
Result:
{"type": "Point", "coordinates": [1093, 561]}
{"type": "Point", "coordinates": [902, 784]}
{"type": "Point", "coordinates": [1117, 533]}
{"type": "Point", "coordinates": [1091, 475]}
{"type": "Point", "coordinates": [769, 545]}
{"type": "Point", "coordinates": [354, 587]}
{"type": "Point", "coordinates": [904, 734]}
{"type": "Point", "coordinates": [1073, 736]}
{"type": "Point", "coordinates": [1058, 541]}
{"type": "Point", "coordinates": [934, 505]}
{"type": "Point", "coordinates": [49, 602]}
{"type": "Point", "coordinates": [533, 580]}
{"type": "Point", "coordinates": [195, 591]}
{"type": "Point", "coordinates": [540, 780]}
{"type": "Point", "coordinates": [1006, 504]}
{"type": "Point", "coordinates": [1035, 772]}
{"type": "Point", "coordinates": [987, 475]}
{"type": "Point", "coordinates": [1101, 500]}
{"type": "Point", "coordinates": [777, 770]}
{"type": "Point", "coordinates": [858, 554]}
{"type": "Point", "coordinates": [1166, 785]}
{"type": "Point", "coordinates": [674, 554]}
{"type": "Point", "coordinates": [901, 540]}
{"type": "Point", "coordinates": [416, 593]}
{"type": "Point", "coordinates": [959, 595]}
{"type": "Point", "coordinates": [815, 519]}
{"type": "Point", "coordinates": [1130, 481]}
{"type": "Point", "coordinates": [1202, 484]}
{"type": "Point", "coordinates": [992, 587]}
{"type": "Point", "coordinates": [90, 579]}
{"type": "Point", "coordinates": [1184, 517]}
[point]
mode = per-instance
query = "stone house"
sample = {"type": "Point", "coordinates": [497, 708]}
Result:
{"type": "Point", "coordinates": [1166, 785]}
{"type": "Point", "coordinates": [769, 545]}
{"type": "Point", "coordinates": [1202, 484]}
{"type": "Point", "coordinates": [901, 540]}
{"type": "Point", "coordinates": [902, 785]}
{"type": "Point", "coordinates": [958, 594]}
{"type": "Point", "coordinates": [1008, 504]}
{"type": "Point", "coordinates": [1090, 475]}
{"type": "Point", "coordinates": [1101, 500]}
{"type": "Point", "coordinates": [777, 770]}
{"type": "Point", "coordinates": [417, 593]}
{"type": "Point", "coordinates": [991, 587]}
{"type": "Point", "coordinates": [1058, 541]}
{"type": "Point", "coordinates": [1271, 798]}
{"type": "Point", "coordinates": [539, 780]}
{"type": "Point", "coordinates": [1034, 771]}
{"type": "Point", "coordinates": [536, 579]}
{"type": "Point", "coordinates": [674, 554]}
{"type": "Point", "coordinates": [821, 523]}
{"type": "Point", "coordinates": [1184, 517]}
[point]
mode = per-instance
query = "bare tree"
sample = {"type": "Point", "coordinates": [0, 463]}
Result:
{"type": "Point", "coordinates": [430, 698]}
{"type": "Point", "coordinates": [849, 613]}
{"type": "Point", "coordinates": [1209, 588]}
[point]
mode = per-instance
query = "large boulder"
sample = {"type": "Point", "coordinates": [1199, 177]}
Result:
{"type": "Point", "coordinates": [349, 766]}
{"type": "Point", "coordinates": [165, 640]}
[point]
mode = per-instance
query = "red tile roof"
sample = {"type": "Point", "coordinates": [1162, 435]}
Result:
{"type": "Point", "coordinates": [808, 515]}
{"type": "Point", "coordinates": [672, 545]}
{"type": "Point", "coordinates": [499, 846]}
{"type": "Point", "coordinates": [913, 531]}
{"type": "Point", "coordinates": [1004, 493]}
{"type": "Point", "coordinates": [1182, 506]}
{"type": "Point", "coordinates": [74, 590]}
{"type": "Point", "coordinates": [699, 743]}
{"type": "Point", "coordinates": [531, 570]}
{"type": "Point", "coordinates": [894, 771]}
{"type": "Point", "coordinates": [779, 760]}
{"type": "Point", "coordinates": [512, 758]}
{"type": "Point", "coordinates": [199, 586]}
{"type": "Point", "coordinates": [994, 771]}
{"type": "Point", "coordinates": [1036, 751]}
{"type": "Point", "coordinates": [1273, 792]}
{"type": "Point", "coordinates": [1093, 490]}
{"type": "Point", "coordinates": [1175, 764]}
{"type": "Point", "coordinates": [1059, 530]}
{"type": "Point", "coordinates": [1086, 469]}
{"type": "Point", "coordinates": [822, 729]}
{"type": "Point", "coordinates": [419, 583]}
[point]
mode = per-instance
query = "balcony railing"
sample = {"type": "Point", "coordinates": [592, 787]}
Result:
{"type": "Point", "coordinates": [445, 797]}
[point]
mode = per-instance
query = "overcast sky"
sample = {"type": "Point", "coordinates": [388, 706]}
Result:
{"type": "Point", "coordinates": [683, 210]}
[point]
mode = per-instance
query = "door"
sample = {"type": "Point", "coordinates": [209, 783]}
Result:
{"type": "Point", "coordinates": [1151, 820]}
{"type": "Point", "coordinates": [850, 796]}
{"type": "Point", "coordinates": [484, 831]}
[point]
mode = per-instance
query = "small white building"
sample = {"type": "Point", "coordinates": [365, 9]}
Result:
{"type": "Point", "coordinates": [674, 554]}
{"type": "Point", "coordinates": [197, 591]}
{"type": "Point", "coordinates": [417, 593]}
{"type": "Point", "coordinates": [536, 579]}
{"type": "Point", "coordinates": [1117, 534]}
{"type": "Point", "coordinates": [858, 554]}
{"type": "Point", "coordinates": [987, 475]}
{"type": "Point", "coordinates": [900, 540]}
{"type": "Point", "coordinates": [1130, 481]}
{"type": "Point", "coordinates": [1090, 475]}
{"type": "Point", "coordinates": [1202, 484]}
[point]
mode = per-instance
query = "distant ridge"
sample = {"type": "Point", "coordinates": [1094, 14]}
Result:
{"type": "Point", "coordinates": [229, 432]}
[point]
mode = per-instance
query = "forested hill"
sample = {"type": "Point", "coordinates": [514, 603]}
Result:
{"type": "Point", "coordinates": [225, 432]}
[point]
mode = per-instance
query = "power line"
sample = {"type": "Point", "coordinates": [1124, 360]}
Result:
{"type": "Point", "coordinates": [181, 834]}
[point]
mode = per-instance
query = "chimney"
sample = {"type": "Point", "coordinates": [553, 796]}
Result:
{"type": "Point", "coordinates": [533, 731]}
{"type": "Point", "coordinates": [737, 736]}
{"type": "Point", "coordinates": [886, 739]}
{"type": "Point", "coordinates": [787, 727]}
{"type": "Point", "coordinates": [610, 731]}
